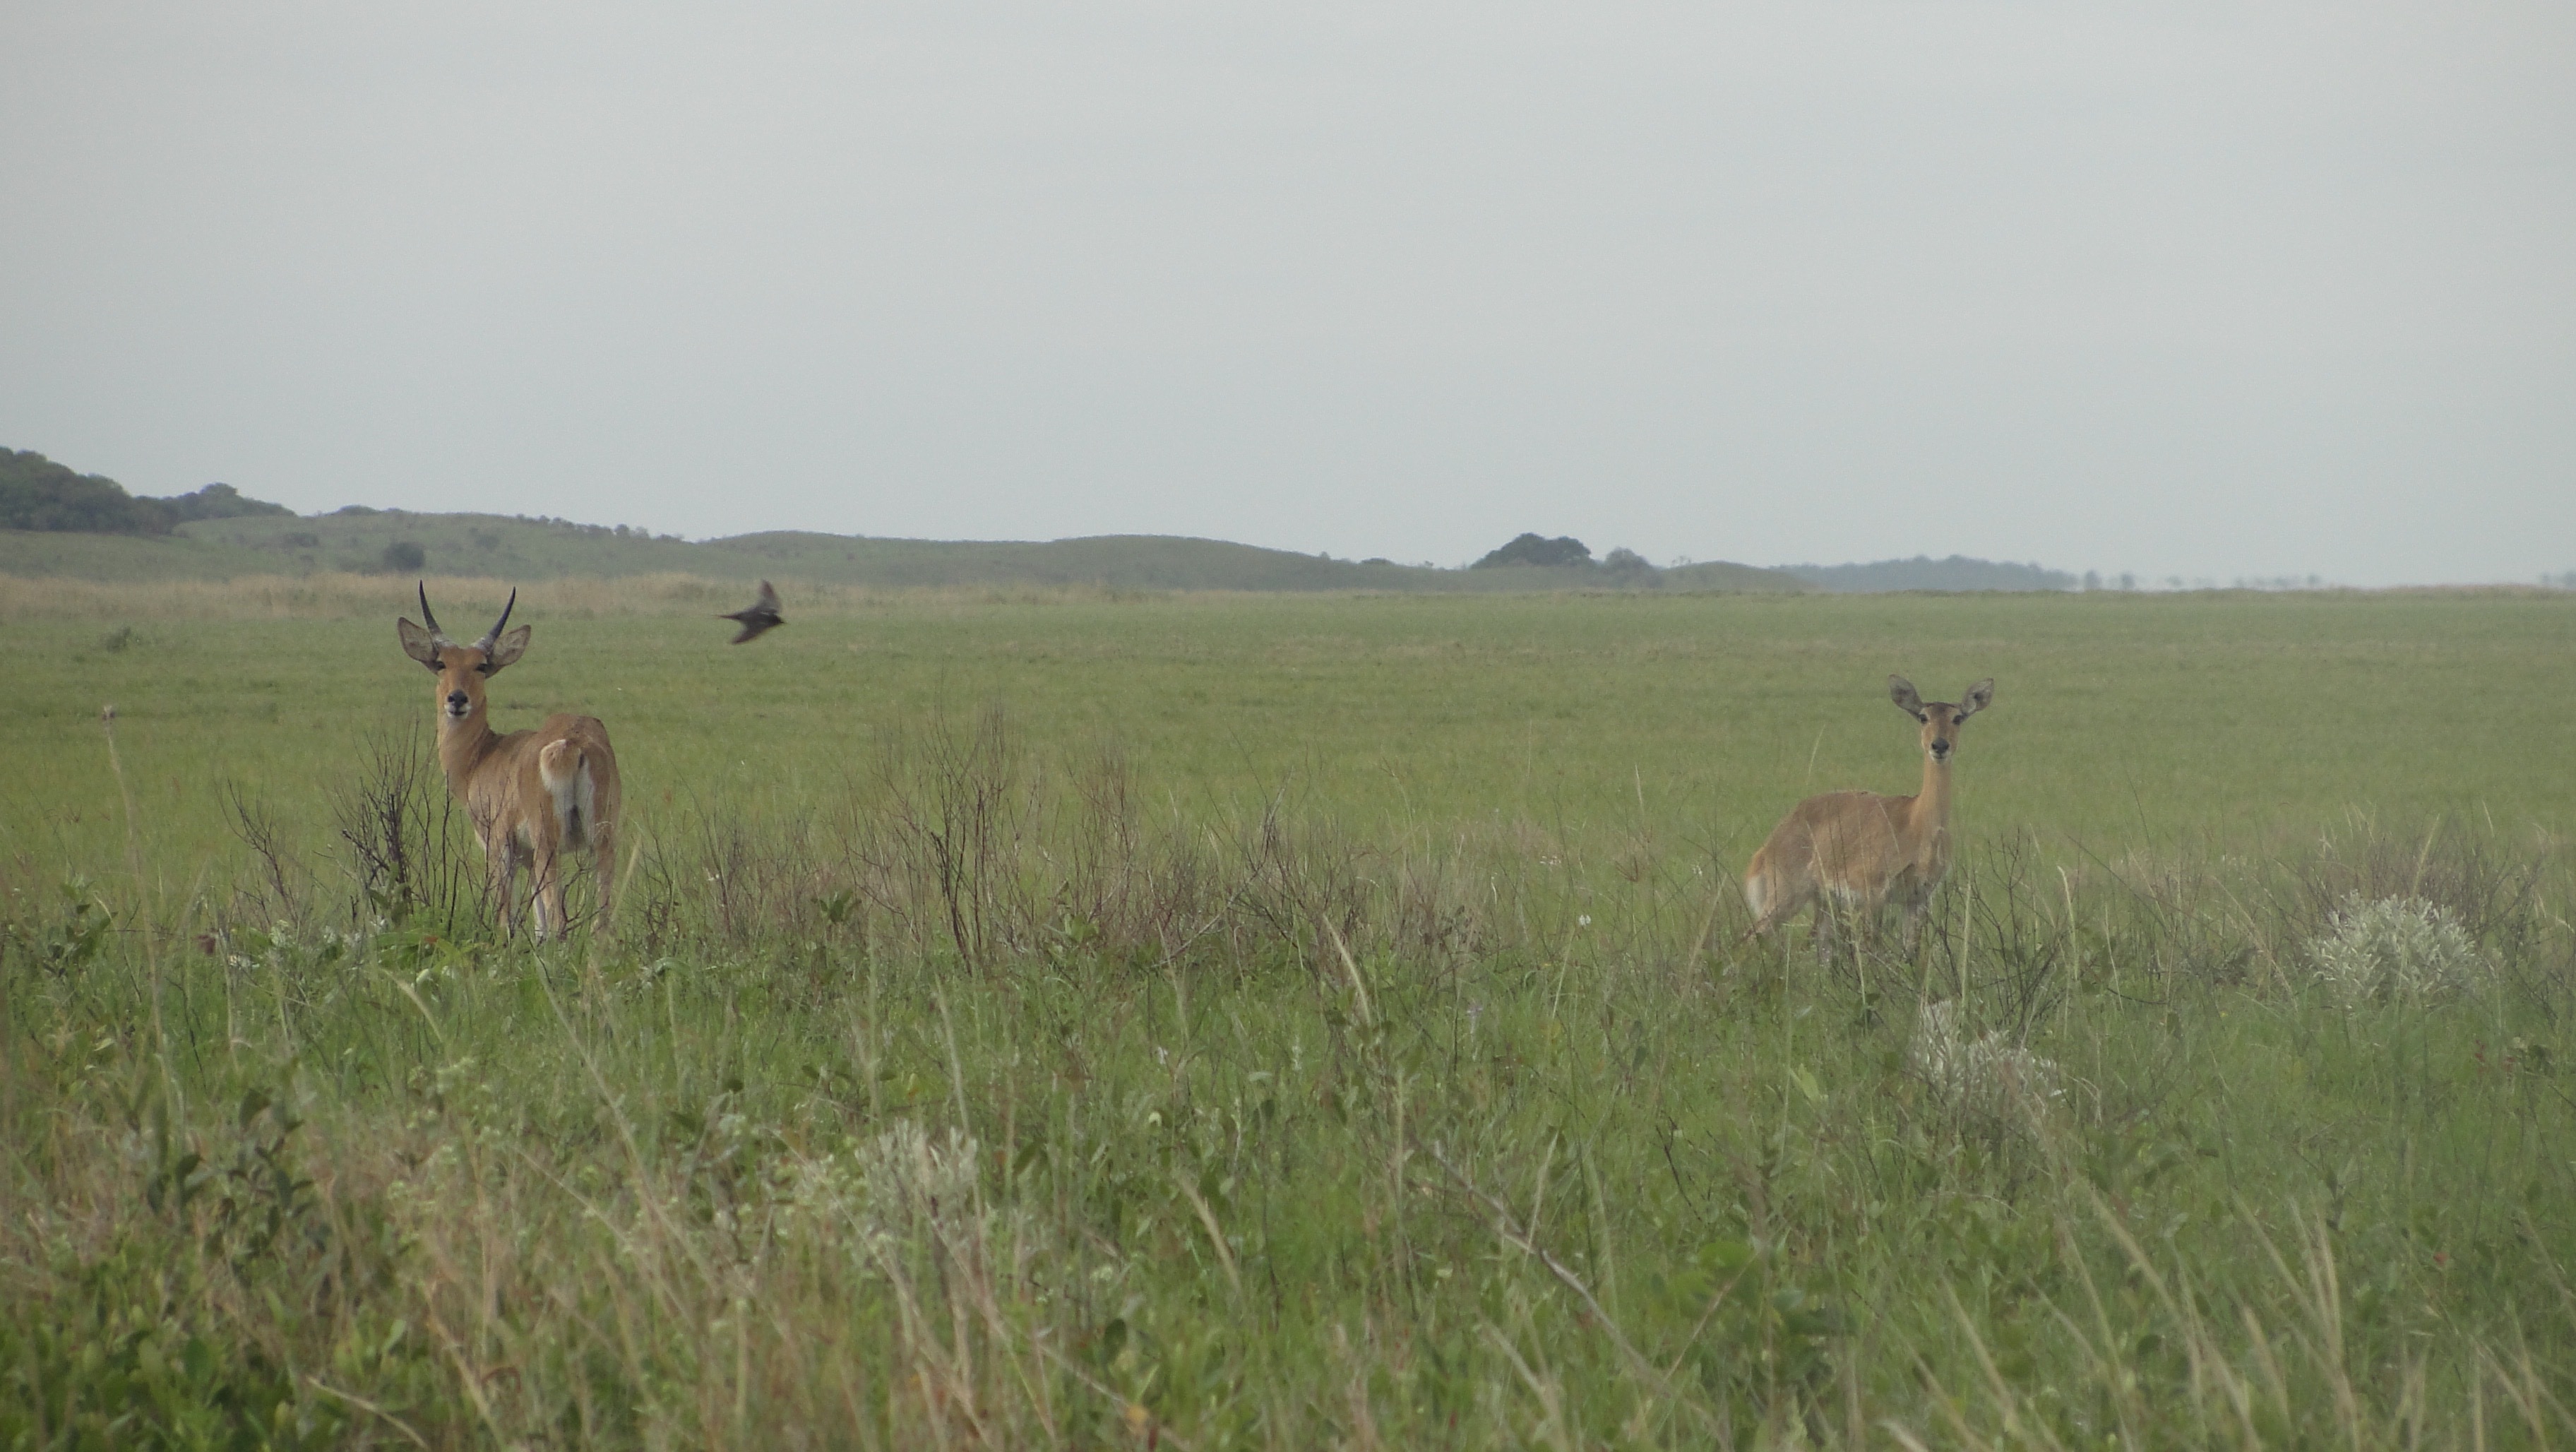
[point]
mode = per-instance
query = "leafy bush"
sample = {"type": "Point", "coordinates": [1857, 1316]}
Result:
{"type": "Point", "coordinates": [66, 944]}
{"type": "Point", "coordinates": [2397, 950]}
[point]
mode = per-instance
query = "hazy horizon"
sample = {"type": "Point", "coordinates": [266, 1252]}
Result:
{"type": "Point", "coordinates": [2179, 291]}
{"type": "Point", "coordinates": [2079, 578]}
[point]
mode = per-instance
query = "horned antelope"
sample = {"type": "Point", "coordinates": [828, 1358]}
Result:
{"type": "Point", "coordinates": [532, 795]}
{"type": "Point", "coordinates": [1853, 853]}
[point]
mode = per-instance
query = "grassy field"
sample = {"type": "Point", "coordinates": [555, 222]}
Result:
{"type": "Point", "coordinates": [1068, 1017]}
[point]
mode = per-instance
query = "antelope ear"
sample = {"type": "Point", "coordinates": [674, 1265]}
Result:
{"type": "Point", "coordinates": [507, 650]}
{"type": "Point", "coordinates": [417, 643]}
{"type": "Point", "coordinates": [1901, 691]}
{"type": "Point", "coordinates": [1979, 697]}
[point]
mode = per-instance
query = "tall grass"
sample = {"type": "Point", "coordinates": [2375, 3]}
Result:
{"type": "Point", "coordinates": [1284, 1025]}
{"type": "Point", "coordinates": [992, 1106]}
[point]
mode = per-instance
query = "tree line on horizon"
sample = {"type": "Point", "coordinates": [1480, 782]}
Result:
{"type": "Point", "coordinates": [1958, 572]}
{"type": "Point", "coordinates": [1562, 552]}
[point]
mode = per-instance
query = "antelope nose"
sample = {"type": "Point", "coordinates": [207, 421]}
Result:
{"type": "Point", "coordinates": [456, 701]}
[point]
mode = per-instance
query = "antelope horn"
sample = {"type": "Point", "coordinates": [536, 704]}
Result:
{"type": "Point", "coordinates": [431, 620]}
{"type": "Point", "coordinates": [494, 634]}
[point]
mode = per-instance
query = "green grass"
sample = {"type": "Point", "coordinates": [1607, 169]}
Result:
{"type": "Point", "coordinates": [2124, 723]}
{"type": "Point", "coordinates": [1340, 996]}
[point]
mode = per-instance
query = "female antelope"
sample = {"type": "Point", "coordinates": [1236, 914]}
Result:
{"type": "Point", "coordinates": [1856, 852]}
{"type": "Point", "coordinates": [532, 795]}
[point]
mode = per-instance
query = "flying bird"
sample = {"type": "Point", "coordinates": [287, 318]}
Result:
{"type": "Point", "coordinates": [759, 616]}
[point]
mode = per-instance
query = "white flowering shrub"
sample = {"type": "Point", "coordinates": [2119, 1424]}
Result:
{"type": "Point", "coordinates": [902, 1189]}
{"type": "Point", "coordinates": [1989, 1078]}
{"type": "Point", "coordinates": [2396, 950]}
{"type": "Point", "coordinates": [915, 1180]}
{"type": "Point", "coordinates": [284, 948]}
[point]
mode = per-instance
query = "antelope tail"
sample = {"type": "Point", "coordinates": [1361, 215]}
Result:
{"type": "Point", "coordinates": [1757, 894]}
{"type": "Point", "coordinates": [566, 774]}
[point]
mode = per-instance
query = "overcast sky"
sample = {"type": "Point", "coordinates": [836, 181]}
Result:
{"type": "Point", "coordinates": [2209, 290]}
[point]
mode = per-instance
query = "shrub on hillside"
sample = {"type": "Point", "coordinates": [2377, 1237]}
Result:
{"type": "Point", "coordinates": [217, 501]}
{"type": "Point", "coordinates": [37, 493]}
{"type": "Point", "coordinates": [1531, 549]}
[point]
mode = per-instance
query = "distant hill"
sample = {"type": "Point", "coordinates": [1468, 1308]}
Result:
{"type": "Point", "coordinates": [504, 547]}
{"type": "Point", "coordinates": [1923, 572]}
{"type": "Point", "coordinates": [56, 522]}
{"type": "Point", "coordinates": [1718, 575]}
{"type": "Point", "coordinates": [38, 494]}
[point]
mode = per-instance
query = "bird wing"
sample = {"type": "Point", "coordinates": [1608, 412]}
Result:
{"type": "Point", "coordinates": [757, 616]}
